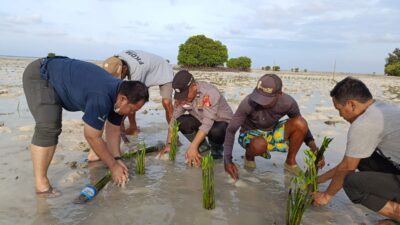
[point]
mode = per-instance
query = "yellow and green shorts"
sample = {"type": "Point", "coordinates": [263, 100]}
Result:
{"type": "Point", "coordinates": [275, 139]}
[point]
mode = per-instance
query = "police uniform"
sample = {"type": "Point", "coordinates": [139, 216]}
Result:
{"type": "Point", "coordinates": [208, 112]}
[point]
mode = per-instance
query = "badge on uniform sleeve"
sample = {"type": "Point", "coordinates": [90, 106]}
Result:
{"type": "Point", "coordinates": [206, 101]}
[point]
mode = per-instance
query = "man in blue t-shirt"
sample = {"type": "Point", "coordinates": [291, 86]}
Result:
{"type": "Point", "coordinates": [51, 84]}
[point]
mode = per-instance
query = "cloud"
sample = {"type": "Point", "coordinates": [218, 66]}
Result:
{"type": "Point", "coordinates": [182, 26]}
{"type": "Point", "coordinates": [23, 20]}
{"type": "Point", "coordinates": [381, 38]}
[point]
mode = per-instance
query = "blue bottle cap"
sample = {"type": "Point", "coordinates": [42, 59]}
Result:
{"type": "Point", "coordinates": [89, 191]}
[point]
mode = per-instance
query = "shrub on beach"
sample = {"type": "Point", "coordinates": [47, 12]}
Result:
{"type": "Point", "coordinates": [200, 50]}
{"type": "Point", "coordinates": [393, 69]}
{"type": "Point", "coordinates": [241, 63]}
{"type": "Point", "coordinates": [392, 66]}
{"type": "Point", "coordinates": [276, 68]}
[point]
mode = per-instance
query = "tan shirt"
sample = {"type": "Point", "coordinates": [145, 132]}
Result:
{"type": "Point", "coordinates": [208, 106]}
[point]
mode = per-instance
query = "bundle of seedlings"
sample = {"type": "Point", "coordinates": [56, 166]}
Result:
{"type": "Point", "coordinates": [299, 196]}
{"type": "Point", "coordinates": [207, 166]}
{"type": "Point", "coordinates": [90, 191]}
{"type": "Point", "coordinates": [141, 158]}
{"type": "Point", "coordinates": [174, 140]}
{"type": "Point", "coordinates": [322, 149]}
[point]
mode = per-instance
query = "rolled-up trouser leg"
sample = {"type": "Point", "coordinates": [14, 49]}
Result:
{"type": "Point", "coordinates": [216, 137]}
{"type": "Point", "coordinates": [372, 189]}
{"type": "Point", "coordinates": [44, 104]}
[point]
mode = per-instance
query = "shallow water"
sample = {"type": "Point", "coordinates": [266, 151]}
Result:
{"type": "Point", "coordinates": [169, 192]}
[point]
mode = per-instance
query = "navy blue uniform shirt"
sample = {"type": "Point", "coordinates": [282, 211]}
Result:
{"type": "Point", "coordinates": [83, 86]}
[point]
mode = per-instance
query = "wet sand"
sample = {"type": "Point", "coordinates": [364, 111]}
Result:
{"type": "Point", "coordinates": [169, 192]}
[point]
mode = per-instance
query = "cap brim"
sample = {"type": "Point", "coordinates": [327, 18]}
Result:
{"type": "Point", "coordinates": [182, 95]}
{"type": "Point", "coordinates": [261, 99]}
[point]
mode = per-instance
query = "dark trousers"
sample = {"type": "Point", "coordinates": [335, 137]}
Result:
{"type": "Point", "coordinates": [44, 104]}
{"type": "Point", "coordinates": [377, 182]}
{"type": "Point", "coordinates": [189, 125]}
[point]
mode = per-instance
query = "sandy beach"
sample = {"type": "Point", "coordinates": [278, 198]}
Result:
{"type": "Point", "coordinates": [170, 192]}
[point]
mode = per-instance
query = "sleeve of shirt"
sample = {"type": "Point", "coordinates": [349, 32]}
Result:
{"type": "Point", "coordinates": [362, 140]}
{"type": "Point", "coordinates": [237, 120]}
{"type": "Point", "coordinates": [96, 111]}
{"type": "Point", "coordinates": [210, 113]}
{"type": "Point", "coordinates": [114, 118]}
{"type": "Point", "coordinates": [294, 109]}
{"type": "Point", "coordinates": [178, 111]}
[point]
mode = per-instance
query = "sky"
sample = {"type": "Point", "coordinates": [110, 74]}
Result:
{"type": "Point", "coordinates": [312, 35]}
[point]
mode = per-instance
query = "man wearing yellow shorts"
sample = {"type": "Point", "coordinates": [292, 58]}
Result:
{"type": "Point", "coordinates": [262, 130]}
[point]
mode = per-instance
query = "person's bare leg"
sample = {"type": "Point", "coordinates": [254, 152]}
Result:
{"type": "Point", "coordinates": [295, 131]}
{"type": "Point", "coordinates": [167, 104]}
{"type": "Point", "coordinates": [257, 146]}
{"type": "Point", "coordinates": [132, 129]}
{"type": "Point", "coordinates": [391, 210]}
{"type": "Point", "coordinates": [41, 158]}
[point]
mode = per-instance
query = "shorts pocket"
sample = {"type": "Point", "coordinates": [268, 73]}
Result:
{"type": "Point", "coordinates": [46, 93]}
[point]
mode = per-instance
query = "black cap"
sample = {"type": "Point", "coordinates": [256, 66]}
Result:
{"type": "Point", "coordinates": [181, 83]}
{"type": "Point", "coordinates": [266, 90]}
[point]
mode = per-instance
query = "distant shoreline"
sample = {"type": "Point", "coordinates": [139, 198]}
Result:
{"type": "Point", "coordinates": [227, 70]}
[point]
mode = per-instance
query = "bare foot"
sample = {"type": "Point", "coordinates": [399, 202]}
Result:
{"type": "Point", "coordinates": [92, 157]}
{"type": "Point", "coordinates": [132, 131]}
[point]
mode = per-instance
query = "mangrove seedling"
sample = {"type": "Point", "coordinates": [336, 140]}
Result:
{"type": "Point", "coordinates": [174, 140]}
{"type": "Point", "coordinates": [140, 158]}
{"type": "Point", "coordinates": [299, 196]}
{"type": "Point", "coordinates": [207, 166]}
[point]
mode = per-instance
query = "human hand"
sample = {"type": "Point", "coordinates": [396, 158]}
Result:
{"type": "Point", "coordinates": [119, 172]}
{"type": "Point", "coordinates": [321, 163]}
{"type": "Point", "coordinates": [321, 198]}
{"type": "Point", "coordinates": [193, 157]}
{"type": "Point", "coordinates": [232, 170]}
{"type": "Point", "coordinates": [132, 131]}
{"type": "Point", "coordinates": [164, 150]}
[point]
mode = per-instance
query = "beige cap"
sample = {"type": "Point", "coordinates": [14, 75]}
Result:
{"type": "Point", "coordinates": [113, 65]}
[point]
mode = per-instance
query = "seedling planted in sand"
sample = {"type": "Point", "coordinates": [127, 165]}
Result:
{"type": "Point", "coordinates": [208, 182]}
{"type": "Point", "coordinates": [140, 158]}
{"type": "Point", "coordinates": [174, 140]}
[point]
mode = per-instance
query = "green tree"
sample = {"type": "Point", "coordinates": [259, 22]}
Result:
{"type": "Point", "coordinates": [392, 66]}
{"type": "Point", "coordinates": [393, 57]}
{"type": "Point", "coordinates": [51, 54]}
{"type": "Point", "coordinates": [296, 69]}
{"type": "Point", "coordinates": [305, 70]}
{"type": "Point", "coordinates": [276, 68]}
{"type": "Point", "coordinates": [262, 68]}
{"type": "Point", "coordinates": [393, 69]}
{"type": "Point", "coordinates": [200, 50]}
{"type": "Point", "coordinates": [267, 68]}
{"type": "Point", "coordinates": [241, 63]}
